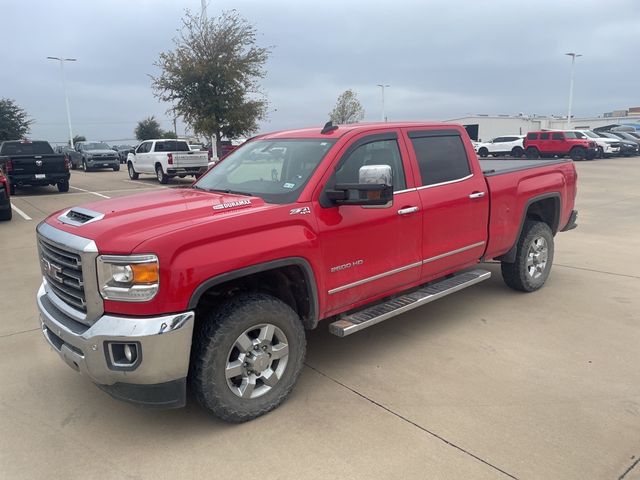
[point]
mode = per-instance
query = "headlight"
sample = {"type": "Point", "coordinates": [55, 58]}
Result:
{"type": "Point", "coordinates": [128, 278]}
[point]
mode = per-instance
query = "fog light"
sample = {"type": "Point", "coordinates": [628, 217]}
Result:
{"type": "Point", "coordinates": [123, 356]}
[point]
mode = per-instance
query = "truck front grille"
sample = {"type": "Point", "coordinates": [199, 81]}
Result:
{"type": "Point", "coordinates": [63, 270]}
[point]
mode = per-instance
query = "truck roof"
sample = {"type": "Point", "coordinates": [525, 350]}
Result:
{"type": "Point", "coordinates": [314, 132]}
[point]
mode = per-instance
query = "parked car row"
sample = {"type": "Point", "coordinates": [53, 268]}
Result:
{"type": "Point", "coordinates": [576, 144]}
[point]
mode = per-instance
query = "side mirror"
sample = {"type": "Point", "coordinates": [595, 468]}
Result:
{"type": "Point", "coordinates": [374, 187]}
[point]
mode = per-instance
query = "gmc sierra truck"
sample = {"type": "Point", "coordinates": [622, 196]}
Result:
{"type": "Point", "coordinates": [214, 285]}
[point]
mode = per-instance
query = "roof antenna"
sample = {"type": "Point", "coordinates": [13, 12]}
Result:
{"type": "Point", "coordinates": [328, 128]}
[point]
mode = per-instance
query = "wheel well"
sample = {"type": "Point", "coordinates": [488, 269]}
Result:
{"type": "Point", "coordinates": [288, 283]}
{"type": "Point", "coordinates": [545, 210]}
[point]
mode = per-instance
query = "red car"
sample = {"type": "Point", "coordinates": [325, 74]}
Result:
{"type": "Point", "coordinates": [342, 226]}
{"type": "Point", "coordinates": [547, 144]}
{"type": "Point", "coordinates": [5, 197]}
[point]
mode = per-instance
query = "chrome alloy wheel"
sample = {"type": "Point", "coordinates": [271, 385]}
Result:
{"type": "Point", "coordinates": [257, 360]}
{"type": "Point", "coordinates": [537, 257]}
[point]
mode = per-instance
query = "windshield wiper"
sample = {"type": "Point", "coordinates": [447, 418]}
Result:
{"type": "Point", "coordinates": [224, 190]}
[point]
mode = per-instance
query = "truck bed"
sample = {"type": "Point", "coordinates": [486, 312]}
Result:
{"type": "Point", "coordinates": [498, 167]}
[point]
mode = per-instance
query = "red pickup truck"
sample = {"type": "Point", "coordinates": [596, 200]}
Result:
{"type": "Point", "coordinates": [350, 225]}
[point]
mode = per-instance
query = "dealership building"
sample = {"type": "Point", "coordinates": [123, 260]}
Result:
{"type": "Point", "coordinates": [486, 127]}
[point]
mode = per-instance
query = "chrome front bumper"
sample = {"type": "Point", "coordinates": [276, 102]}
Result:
{"type": "Point", "coordinates": [164, 343]}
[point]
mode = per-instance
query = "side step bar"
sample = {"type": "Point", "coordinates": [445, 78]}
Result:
{"type": "Point", "coordinates": [378, 313]}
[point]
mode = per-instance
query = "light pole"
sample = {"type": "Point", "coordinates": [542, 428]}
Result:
{"type": "Point", "coordinates": [383, 86]}
{"type": "Point", "coordinates": [573, 65]}
{"type": "Point", "coordinates": [66, 97]}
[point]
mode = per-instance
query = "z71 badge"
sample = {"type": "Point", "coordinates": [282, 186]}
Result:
{"type": "Point", "coordinates": [300, 211]}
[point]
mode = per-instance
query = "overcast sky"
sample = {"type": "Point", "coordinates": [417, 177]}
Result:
{"type": "Point", "coordinates": [443, 59]}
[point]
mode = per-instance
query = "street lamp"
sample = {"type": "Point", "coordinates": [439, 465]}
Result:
{"type": "Point", "coordinates": [573, 65]}
{"type": "Point", "coordinates": [66, 97]}
{"type": "Point", "coordinates": [383, 86]}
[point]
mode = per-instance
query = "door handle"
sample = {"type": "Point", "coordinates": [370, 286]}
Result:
{"type": "Point", "coordinates": [408, 210]}
{"type": "Point", "coordinates": [477, 195]}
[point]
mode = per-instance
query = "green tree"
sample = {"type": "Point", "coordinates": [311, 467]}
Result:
{"type": "Point", "coordinates": [147, 129]}
{"type": "Point", "coordinates": [14, 121]}
{"type": "Point", "coordinates": [168, 134]}
{"type": "Point", "coordinates": [348, 109]}
{"type": "Point", "coordinates": [212, 75]}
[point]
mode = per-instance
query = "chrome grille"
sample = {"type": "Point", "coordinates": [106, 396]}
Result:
{"type": "Point", "coordinates": [63, 270]}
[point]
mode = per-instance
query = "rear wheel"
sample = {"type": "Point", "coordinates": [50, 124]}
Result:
{"type": "Point", "coordinates": [532, 152]}
{"type": "Point", "coordinates": [12, 189]}
{"type": "Point", "coordinates": [483, 152]}
{"type": "Point", "coordinates": [577, 154]}
{"type": "Point", "coordinates": [247, 356]}
{"type": "Point", "coordinates": [133, 175]}
{"type": "Point", "coordinates": [517, 152]}
{"type": "Point", "coordinates": [63, 186]}
{"type": "Point", "coordinates": [6, 214]}
{"type": "Point", "coordinates": [116, 168]}
{"type": "Point", "coordinates": [534, 257]}
{"type": "Point", "coordinates": [162, 178]}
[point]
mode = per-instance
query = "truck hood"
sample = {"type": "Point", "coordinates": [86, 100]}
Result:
{"type": "Point", "coordinates": [101, 152]}
{"type": "Point", "coordinates": [119, 225]}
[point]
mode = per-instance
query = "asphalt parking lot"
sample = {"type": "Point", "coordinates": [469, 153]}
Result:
{"type": "Point", "coordinates": [486, 383]}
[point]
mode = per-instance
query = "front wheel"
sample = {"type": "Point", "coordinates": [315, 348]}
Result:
{"type": "Point", "coordinates": [84, 166]}
{"type": "Point", "coordinates": [133, 175]}
{"type": "Point", "coordinates": [483, 152]}
{"type": "Point", "coordinates": [578, 153]}
{"type": "Point", "coordinates": [517, 152]}
{"type": "Point", "coordinates": [247, 356]}
{"type": "Point", "coordinates": [533, 153]}
{"type": "Point", "coordinates": [534, 257]}
{"type": "Point", "coordinates": [116, 168]}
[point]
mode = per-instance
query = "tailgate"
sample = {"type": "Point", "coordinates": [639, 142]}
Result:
{"type": "Point", "coordinates": [190, 159]}
{"type": "Point", "coordinates": [34, 164]}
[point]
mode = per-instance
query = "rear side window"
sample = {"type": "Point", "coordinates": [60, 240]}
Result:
{"type": "Point", "coordinates": [440, 158]}
{"type": "Point", "coordinates": [557, 136]}
{"type": "Point", "coordinates": [544, 136]}
{"type": "Point", "coordinates": [532, 136]}
{"type": "Point", "coordinates": [32, 148]}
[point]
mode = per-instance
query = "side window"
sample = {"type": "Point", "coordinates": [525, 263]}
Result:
{"type": "Point", "coordinates": [382, 152]}
{"type": "Point", "coordinates": [159, 147]}
{"type": "Point", "coordinates": [544, 136]}
{"type": "Point", "coordinates": [499, 140]}
{"type": "Point", "coordinates": [440, 158]}
{"type": "Point", "coordinates": [557, 136]}
{"type": "Point", "coordinates": [532, 136]}
{"type": "Point", "coordinates": [144, 147]}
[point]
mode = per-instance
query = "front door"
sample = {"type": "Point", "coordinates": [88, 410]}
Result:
{"type": "Point", "coordinates": [454, 198]}
{"type": "Point", "coordinates": [370, 251]}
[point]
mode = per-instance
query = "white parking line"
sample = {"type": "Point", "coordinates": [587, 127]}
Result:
{"type": "Point", "coordinates": [89, 191]}
{"type": "Point", "coordinates": [20, 212]}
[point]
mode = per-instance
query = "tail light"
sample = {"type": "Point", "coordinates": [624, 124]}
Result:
{"type": "Point", "coordinates": [8, 166]}
{"type": "Point", "coordinates": [67, 162]}
{"type": "Point", "coordinates": [170, 158]}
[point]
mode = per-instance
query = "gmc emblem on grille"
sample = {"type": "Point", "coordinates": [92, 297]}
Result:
{"type": "Point", "coordinates": [53, 270]}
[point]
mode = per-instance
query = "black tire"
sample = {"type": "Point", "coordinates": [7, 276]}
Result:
{"type": "Point", "coordinates": [160, 175]}
{"type": "Point", "coordinates": [532, 152]}
{"type": "Point", "coordinates": [133, 175]}
{"type": "Point", "coordinates": [483, 152]}
{"type": "Point", "coordinates": [600, 153]}
{"type": "Point", "coordinates": [116, 168]}
{"type": "Point", "coordinates": [578, 154]}
{"type": "Point", "coordinates": [494, 155]}
{"type": "Point", "coordinates": [517, 152]}
{"type": "Point", "coordinates": [63, 186]}
{"type": "Point", "coordinates": [517, 275]}
{"type": "Point", "coordinates": [12, 189]}
{"type": "Point", "coordinates": [214, 343]}
{"type": "Point", "coordinates": [5, 215]}
{"type": "Point", "coordinates": [84, 166]}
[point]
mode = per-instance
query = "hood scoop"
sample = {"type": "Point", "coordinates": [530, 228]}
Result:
{"type": "Point", "coordinates": [78, 216]}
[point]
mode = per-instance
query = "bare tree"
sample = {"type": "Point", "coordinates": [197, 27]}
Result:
{"type": "Point", "coordinates": [348, 109]}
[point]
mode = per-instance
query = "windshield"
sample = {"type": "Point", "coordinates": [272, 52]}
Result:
{"type": "Point", "coordinates": [590, 134]}
{"type": "Point", "coordinates": [96, 146]}
{"type": "Point", "coordinates": [573, 135]}
{"type": "Point", "coordinates": [275, 170]}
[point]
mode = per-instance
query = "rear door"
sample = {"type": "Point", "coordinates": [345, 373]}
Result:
{"type": "Point", "coordinates": [370, 251]}
{"type": "Point", "coordinates": [454, 198]}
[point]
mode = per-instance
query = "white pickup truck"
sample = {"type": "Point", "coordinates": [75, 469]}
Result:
{"type": "Point", "coordinates": [166, 159]}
